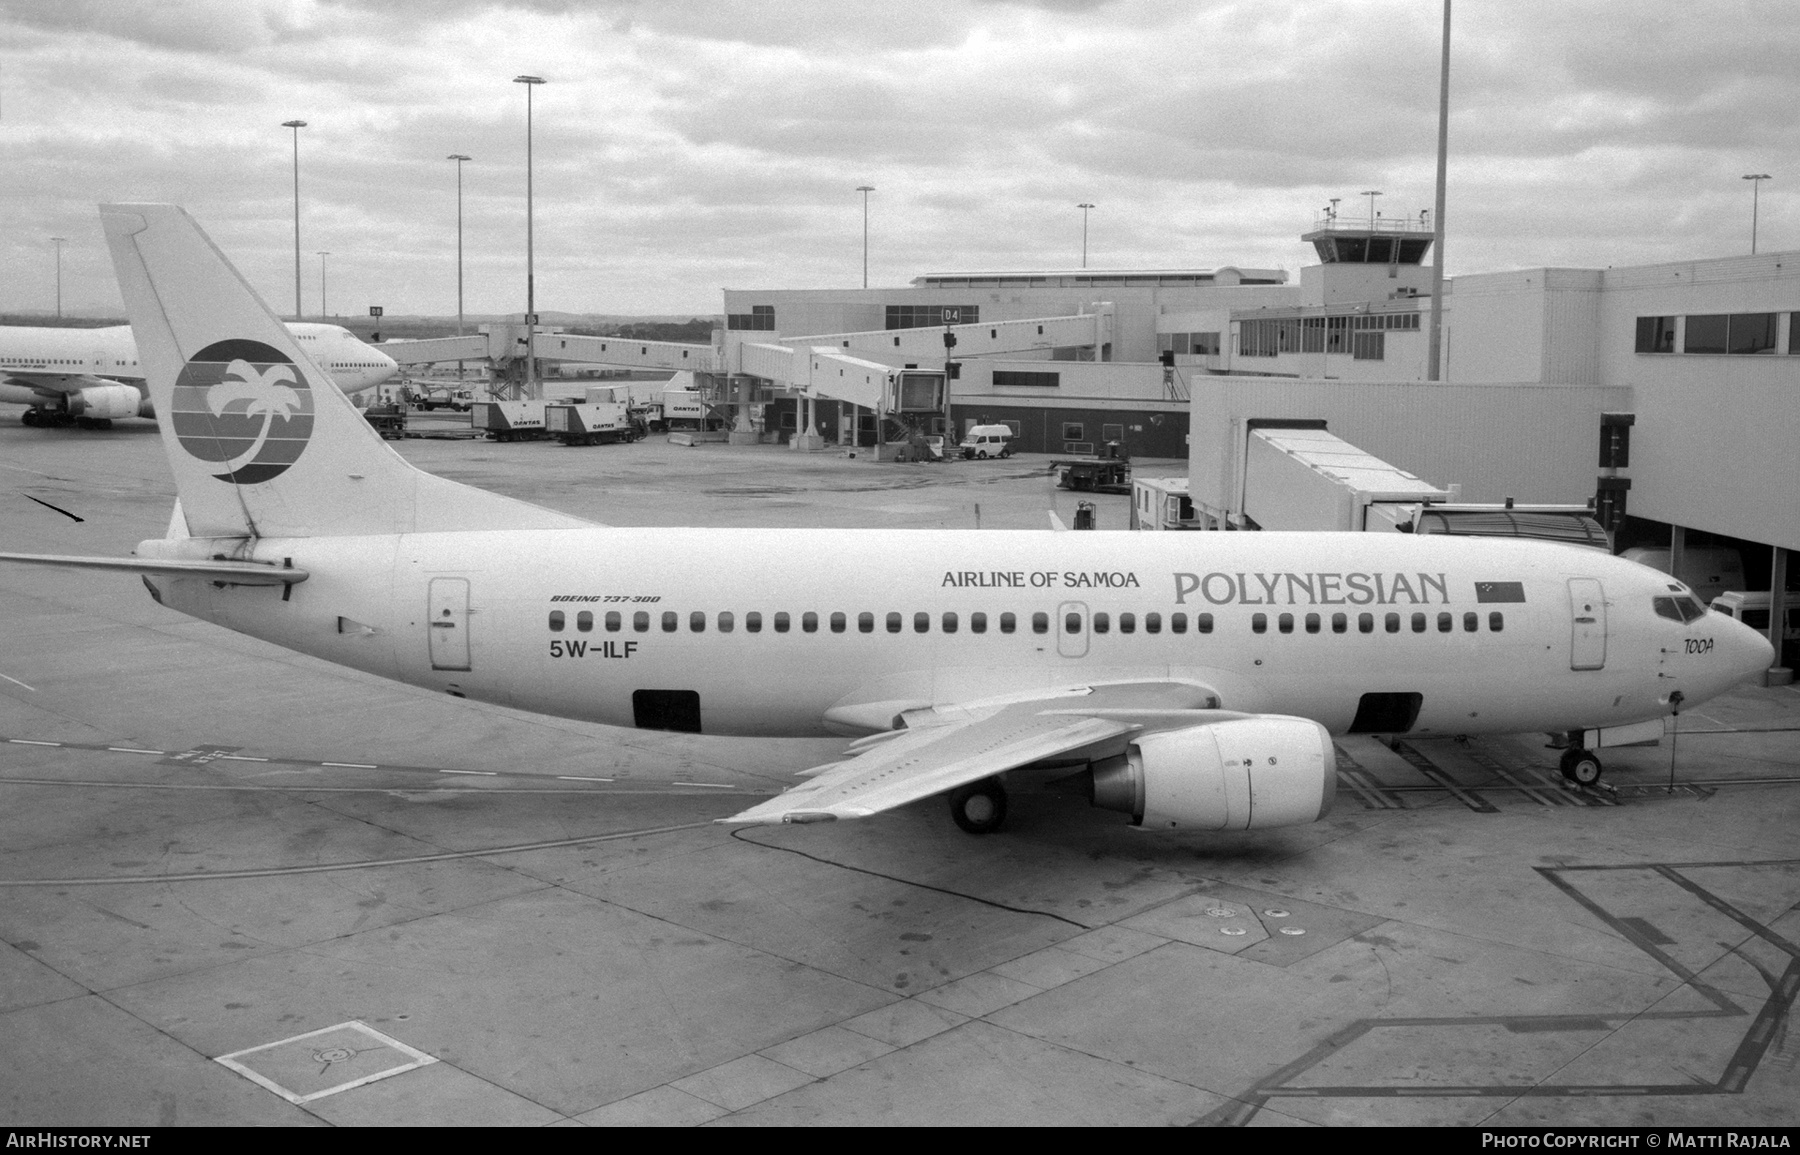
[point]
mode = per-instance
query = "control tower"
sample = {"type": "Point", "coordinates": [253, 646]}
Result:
{"type": "Point", "coordinates": [1367, 257]}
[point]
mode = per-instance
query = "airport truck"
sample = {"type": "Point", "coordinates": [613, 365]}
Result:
{"type": "Point", "coordinates": [1108, 471]}
{"type": "Point", "coordinates": [509, 420]}
{"type": "Point", "coordinates": [591, 423]}
{"type": "Point", "coordinates": [429, 397]}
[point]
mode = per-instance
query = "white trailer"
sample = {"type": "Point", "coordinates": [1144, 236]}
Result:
{"type": "Point", "coordinates": [591, 423]}
{"type": "Point", "coordinates": [509, 420]}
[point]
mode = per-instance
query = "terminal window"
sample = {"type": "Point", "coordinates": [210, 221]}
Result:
{"type": "Point", "coordinates": [1656, 334]}
{"type": "Point", "coordinates": [924, 316]}
{"type": "Point", "coordinates": [760, 317]}
{"type": "Point", "coordinates": [1033, 380]}
{"type": "Point", "coordinates": [1739, 333]}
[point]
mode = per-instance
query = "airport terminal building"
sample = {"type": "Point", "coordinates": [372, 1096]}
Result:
{"type": "Point", "coordinates": [1703, 355]}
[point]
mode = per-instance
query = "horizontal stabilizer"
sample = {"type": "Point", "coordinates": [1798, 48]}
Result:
{"type": "Point", "coordinates": [241, 573]}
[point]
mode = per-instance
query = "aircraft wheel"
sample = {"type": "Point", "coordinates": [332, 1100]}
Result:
{"type": "Point", "coordinates": [979, 807]}
{"type": "Point", "coordinates": [29, 417]}
{"type": "Point", "coordinates": [1581, 767]}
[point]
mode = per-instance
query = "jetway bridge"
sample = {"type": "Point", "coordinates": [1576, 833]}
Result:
{"type": "Point", "coordinates": [862, 368]}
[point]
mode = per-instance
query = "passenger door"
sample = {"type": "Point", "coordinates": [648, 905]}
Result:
{"type": "Point", "coordinates": [1587, 612]}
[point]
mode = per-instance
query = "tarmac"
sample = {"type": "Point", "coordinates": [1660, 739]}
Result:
{"type": "Point", "coordinates": [240, 886]}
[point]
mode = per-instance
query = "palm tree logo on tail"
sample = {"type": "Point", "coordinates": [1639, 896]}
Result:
{"type": "Point", "coordinates": [246, 406]}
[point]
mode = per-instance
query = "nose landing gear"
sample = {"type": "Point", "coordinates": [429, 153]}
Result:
{"type": "Point", "coordinates": [1580, 766]}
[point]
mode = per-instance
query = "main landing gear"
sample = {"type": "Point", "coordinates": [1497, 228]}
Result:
{"type": "Point", "coordinates": [979, 807]}
{"type": "Point", "coordinates": [1580, 766]}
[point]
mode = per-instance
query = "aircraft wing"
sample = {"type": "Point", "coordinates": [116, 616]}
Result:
{"type": "Point", "coordinates": [54, 384]}
{"type": "Point", "coordinates": [948, 747]}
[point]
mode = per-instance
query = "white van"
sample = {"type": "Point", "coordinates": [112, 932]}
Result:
{"type": "Point", "coordinates": [985, 441]}
{"type": "Point", "coordinates": [1752, 608]}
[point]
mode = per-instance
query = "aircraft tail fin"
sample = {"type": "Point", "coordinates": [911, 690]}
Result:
{"type": "Point", "coordinates": [260, 441]}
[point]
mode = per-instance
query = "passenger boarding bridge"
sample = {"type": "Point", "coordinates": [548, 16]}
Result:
{"type": "Point", "coordinates": [881, 369]}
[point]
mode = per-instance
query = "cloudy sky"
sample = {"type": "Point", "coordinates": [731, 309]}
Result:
{"type": "Point", "coordinates": [682, 147]}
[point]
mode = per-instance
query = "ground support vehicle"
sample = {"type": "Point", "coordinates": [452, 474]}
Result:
{"type": "Point", "coordinates": [389, 420]}
{"type": "Point", "coordinates": [509, 420]}
{"type": "Point", "coordinates": [592, 423]}
{"type": "Point", "coordinates": [1107, 472]}
{"type": "Point", "coordinates": [985, 441]}
{"type": "Point", "coordinates": [429, 397]}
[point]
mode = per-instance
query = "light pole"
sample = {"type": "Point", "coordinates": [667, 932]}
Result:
{"type": "Point", "coordinates": [531, 383]}
{"type": "Point", "coordinates": [1084, 206]}
{"type": "Point", "coordinates": [323, 311]}
{"type": "Point", "coordinates": [59, 242]}
{"type": "Point", "coordinates": [1371, 194]}
{"type": "Point", "coordinates": [1755, 179]}
{"type": "Point", "coordinates": [865, 190]}
{"type": "Point", "coordinates": [459, 158]}
{"type": "Point", "coordinates": [296, 125]}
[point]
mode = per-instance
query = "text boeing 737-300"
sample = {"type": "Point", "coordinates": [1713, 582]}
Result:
{"type": "Point", "coordinates": [1196, 680]}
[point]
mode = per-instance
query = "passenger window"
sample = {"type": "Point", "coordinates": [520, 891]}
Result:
{"type": "Point", "coordinates": [782, 622]}
{"type": "Point", "coordinates": [584, 621]}
{"type": "Point", "coordinates": [1496, 621]}
{"type": "Point", "coordinates": [753, 622]}
{"type": "Point", "coordinates": [1418, 623]}
{"type": "Point", "coordinates": [1127, 623]}
{"type": "Point", "coordinates": [726, 621]}
{"type": "Point", "coordinates": [1365, 623]}
{"type": "Point", "coordinates": [1285, 623]}
{"type": "Point", "coordinates": [893, 623]}
{"type": "Point", "coordinates": [1339, 623]}
{"type": "Point", "coordinates": [921, 623]}
{"type": "Point", "coordinates": [837, 623]}
{"type": "Point", "coordinates": [1178, 623]}
{"type": "Point", "coordinates": [697, 621]}
{"type": "Point", "coordinates": [949, 622]}
{"type": "Point", "coordinates": [1102, 623]}
{"type": "Point", "coordinates": [978, 623]}
{"type": "Point", "coordinates": [640, 621]}
{"type": "Point", "coordinates": [1471, 622]}
{"type": "Point", "coordinates": [1203, 623]}
{"type": "Point", "coordinates": [1259, 623]}
{"type": "Point", "coordinates": [1008, 624]}
{"type": "Point", "coordinates": [1312, 623]}
{"type": "Point", "coordinates": [671, 621]}
{"type": "Point", "coordinates": [613, 621]}
{"type": "Point", "coordinates": [1040, 622]}
{"type": "Point", "coordinates": [1393, 623]}
{"type": "Point", "coordinates": [1072, 623]}
{"type": "Point", "coordinates": [865, 622]}
{"type": "Point", "coordinates": [1153, 623]}
{"type": "Point", "coordinates": [1446, 623]}
{"type": "Point", "coordinates": [556, 619]}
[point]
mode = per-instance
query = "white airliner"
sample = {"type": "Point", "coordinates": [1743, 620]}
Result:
{"type": "Point", "coordinates": [1190, 680]}
{"type": "Point", "coordinates": [90, 376]}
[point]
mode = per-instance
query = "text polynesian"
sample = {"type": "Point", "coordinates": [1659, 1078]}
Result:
{"type": "Point", "coordinates": [1312, 589]}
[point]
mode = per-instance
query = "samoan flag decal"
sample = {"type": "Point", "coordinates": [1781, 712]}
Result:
{"type": "Point", "coordinates": [1499, 591]}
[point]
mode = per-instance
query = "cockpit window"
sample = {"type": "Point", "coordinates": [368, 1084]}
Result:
{"type": "Point", "coordinates": [1682, 609]}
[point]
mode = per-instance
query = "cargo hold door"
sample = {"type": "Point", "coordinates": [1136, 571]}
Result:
{"type": "Point", "coordinates": [448, 624]}
{"type": "Point", "coordinates": [1587, 611]}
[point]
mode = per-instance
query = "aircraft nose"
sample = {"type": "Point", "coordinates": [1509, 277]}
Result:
{"type": "Point", "coordinates": [1751, 651]}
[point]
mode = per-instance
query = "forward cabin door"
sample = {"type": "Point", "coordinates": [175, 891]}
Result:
{"type": "Point", "coordinates": [1587, 639]}
{"type": "Point", "coordinates": [448, 625]}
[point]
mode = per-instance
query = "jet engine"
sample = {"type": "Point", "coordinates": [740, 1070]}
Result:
{"type": "Point", "coordinates": [104, 402]}
{"type": "Point", "coordinates": [1270, 770]}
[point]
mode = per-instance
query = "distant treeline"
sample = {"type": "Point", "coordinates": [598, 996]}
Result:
{"type": "Point", "coordinates": [698, 330]}
{"type": "Point", "coordinates": [41, 321]}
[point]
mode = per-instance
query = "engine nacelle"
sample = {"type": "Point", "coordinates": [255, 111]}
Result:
{"type": "Point", "coordinates": [1271, 770]}
{"type": "Point", "coordinates": [103, 402]}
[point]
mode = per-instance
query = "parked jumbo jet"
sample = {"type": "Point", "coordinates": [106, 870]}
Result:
{"type": "Point", "coordinates": [1192, 680]}
{"type": "Point", "coordinates": [90, 376]}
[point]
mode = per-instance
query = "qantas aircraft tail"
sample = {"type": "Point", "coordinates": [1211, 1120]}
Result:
{"type": "Point", "coordinates": [260, 442]}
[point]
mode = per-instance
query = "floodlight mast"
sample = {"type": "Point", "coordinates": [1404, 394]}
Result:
{"type": "Point", "coordinates": [532, 389]}
{"type": "Point", "coordinates": [296, 125]}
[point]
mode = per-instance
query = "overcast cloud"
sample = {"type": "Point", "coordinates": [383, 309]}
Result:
{"type": "Point", "coordinates": [683, 147]}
